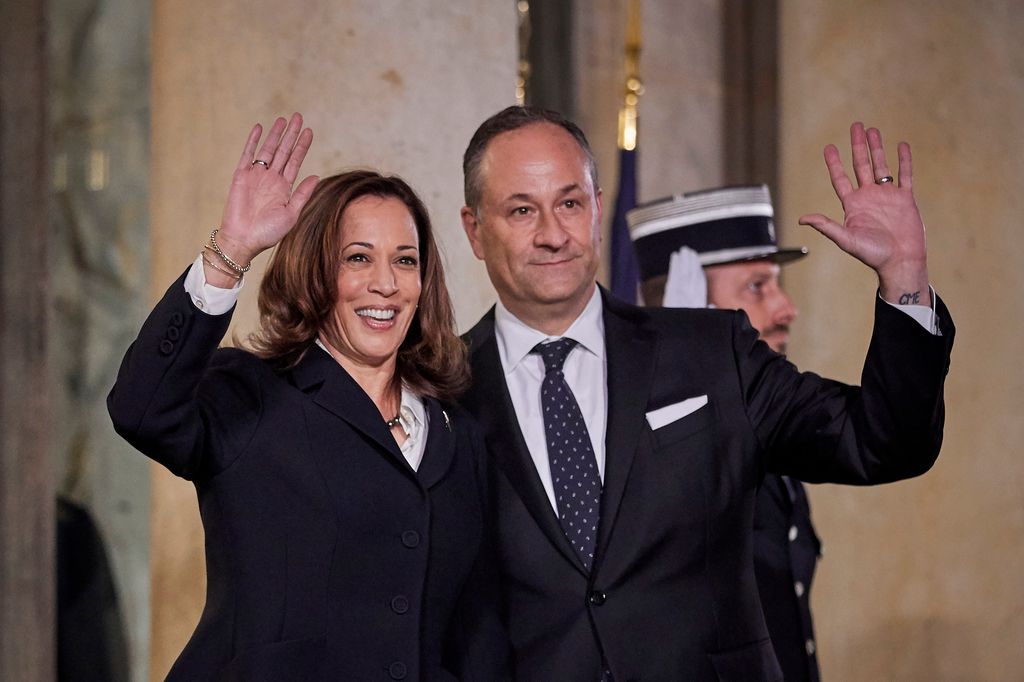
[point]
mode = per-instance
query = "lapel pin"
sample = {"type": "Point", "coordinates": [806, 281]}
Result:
{"type": "Point", "coordinates": [447, 422]}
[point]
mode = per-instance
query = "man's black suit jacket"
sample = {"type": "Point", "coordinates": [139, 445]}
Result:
{"type": "Point", "coordinates": [672, 594]}
{"type": "Point", "coordinates": [328, 557]}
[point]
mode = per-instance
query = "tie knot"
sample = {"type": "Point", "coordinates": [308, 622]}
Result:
{"type": "Point", "coordinates": [554, 353]}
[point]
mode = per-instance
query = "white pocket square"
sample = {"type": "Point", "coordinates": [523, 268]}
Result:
{"type": "Point", "coordinates": [674, 412]}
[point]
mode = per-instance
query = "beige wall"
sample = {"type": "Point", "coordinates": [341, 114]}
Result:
{"type": "Point", "coordinates": [395, 85]}
{"type": "Point", "coordinates": [920, 580]}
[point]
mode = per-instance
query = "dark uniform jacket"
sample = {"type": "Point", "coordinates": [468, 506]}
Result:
{"type": "Point", "coordinates": [672, 594]}
{"type": "Point", "coordinates": [786, 550]}
{"type": "Point", "coordinates": [328, 557]}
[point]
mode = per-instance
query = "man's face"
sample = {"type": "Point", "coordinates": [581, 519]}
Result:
{"type": "Point", "coordinates": [538, 225]}
{"type": "Point", "coordinates": [753, 287]}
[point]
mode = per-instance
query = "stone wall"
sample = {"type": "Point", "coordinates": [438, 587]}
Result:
{"type": "Point", "coordinates": [920, 580]}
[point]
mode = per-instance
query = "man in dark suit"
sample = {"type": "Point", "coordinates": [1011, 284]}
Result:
{"type": "Point", "coordinates": [628, 443]}
{"type": "Point", "coordinates": [717, 247]}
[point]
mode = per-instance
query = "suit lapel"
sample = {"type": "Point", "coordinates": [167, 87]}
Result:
{"type": "Point", "coordinates": [630, 351]}
{"type": "Point", "coordinates": [505, 441]}
{"type": "Point", "coordinates": [333, 389]}
{"type": "Point", "coordinates": [440, 447]}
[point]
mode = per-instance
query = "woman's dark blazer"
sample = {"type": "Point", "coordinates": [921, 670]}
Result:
{"type": "Point", "coordinates": [328, 557]}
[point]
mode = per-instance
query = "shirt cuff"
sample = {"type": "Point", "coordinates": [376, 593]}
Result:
{"type": "Point", "coordinates": [922, 314]}
{"type": "Point", "coordinates": [208, 298]}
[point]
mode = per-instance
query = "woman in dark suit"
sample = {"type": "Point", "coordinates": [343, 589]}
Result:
{"type": "Point", "coordinates": [341, 492]}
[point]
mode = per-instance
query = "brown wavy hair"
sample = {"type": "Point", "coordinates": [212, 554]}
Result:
{"type": "Point", "coordinates": [300, 289]}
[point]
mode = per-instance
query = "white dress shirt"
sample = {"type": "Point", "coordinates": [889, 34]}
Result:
{"type": "Point", "coordinates": [413, 420]}
{"type": "Point", "coordinates": [208, 298]}
{"type": "Point", "coordinates": [585, 369]}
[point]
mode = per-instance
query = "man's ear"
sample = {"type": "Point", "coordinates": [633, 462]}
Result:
{"type": "Point", "coordinates": [598, 196]}
{"type": "Point", "coordinates": [472, 227]}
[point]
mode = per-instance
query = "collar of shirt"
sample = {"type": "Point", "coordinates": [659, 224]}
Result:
{"type": "Point", "coordinates": [516, 339]}
{"type": "Point", "coordinates": [412, 415]}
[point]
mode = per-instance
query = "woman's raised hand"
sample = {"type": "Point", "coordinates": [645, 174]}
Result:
{"type": "Point", "coordinates": [261, 205]}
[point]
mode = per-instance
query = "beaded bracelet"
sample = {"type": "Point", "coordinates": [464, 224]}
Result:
{"type": "Point", "coordinates": [240, 269]}
{"type": "Point", "coordinates": [212, 264]}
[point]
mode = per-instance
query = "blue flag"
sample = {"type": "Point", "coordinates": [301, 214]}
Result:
{"type": "Point", "coordinates": [625, 272]}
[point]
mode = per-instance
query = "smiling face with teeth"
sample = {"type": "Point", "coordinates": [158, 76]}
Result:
{"type": "Point", "coordinates": [378, 282]}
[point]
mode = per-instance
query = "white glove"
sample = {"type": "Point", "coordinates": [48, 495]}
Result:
{"type": "Point", "coordinates": [686, 286]}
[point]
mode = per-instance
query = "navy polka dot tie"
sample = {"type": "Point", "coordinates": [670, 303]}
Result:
{"type": "Point", "coordinates": [570, 452]}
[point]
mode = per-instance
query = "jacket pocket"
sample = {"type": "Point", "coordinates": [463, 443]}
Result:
{"type": "Point", "coordinates": [750, 663]}
{"type": "Point", "coordinates": [692, 423]}
{"type": "Point", "coordinates": [296, 660]}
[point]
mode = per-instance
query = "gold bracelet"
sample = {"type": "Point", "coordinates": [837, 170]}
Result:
{"type": "Point", "coordinates": [240, 269]}
{"type": "Point", "coordinates": [232, 275]}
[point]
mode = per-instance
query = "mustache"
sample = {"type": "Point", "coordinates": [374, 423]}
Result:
{"type": "Point", "coordinates": [776, 329]}
{"type": "Point", "coordinates": [558, 257]}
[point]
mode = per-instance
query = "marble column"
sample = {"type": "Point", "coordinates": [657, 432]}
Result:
{"type": "Point", "coordinates": [398, 86]}
{"type": "Point", "coordinates": [27, 577]}
{"type": "Point", "coordinates": [682, 121]}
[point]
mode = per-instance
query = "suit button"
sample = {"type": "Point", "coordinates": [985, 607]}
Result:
{"type": "Point", "coordinates": [397, 670]}
{"type": "Point", "coordinates": [410, 539]}
{"type": "Point", "coordinates": [399, 604]}
{"type": "Point", "coordinates": [166, 347]}
{"type": "Point", "coordinates": [798, 587]}
{"type": "Point", "coordinates": [173, 333]}
{"type": "Point", "coordinates": [597, 597]}
{"type": "Point", "coordinates": [809, 645]}
{"type": "Point", "coordinates": [793, 532]}
{"type": "Point", "coordinates": [177, 319]}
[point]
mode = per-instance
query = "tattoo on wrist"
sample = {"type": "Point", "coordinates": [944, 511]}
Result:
{"type": "Point", "coordinates": [908, 298]}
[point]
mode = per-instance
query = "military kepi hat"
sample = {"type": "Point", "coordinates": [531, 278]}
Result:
{"type": "Point", "coordinates": [723, 225]}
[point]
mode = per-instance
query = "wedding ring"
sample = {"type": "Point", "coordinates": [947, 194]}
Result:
{"type": "Point", "coordinates": [884, 181]}
{"type": "Point", "coordinates": [267, 165]}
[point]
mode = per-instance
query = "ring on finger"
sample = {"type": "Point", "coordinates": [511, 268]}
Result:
{"type": "Point", "coordinates": [267, 165]}
{"type": "Point", "coordinates": [884, 180]}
